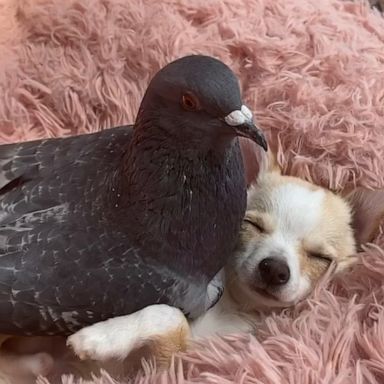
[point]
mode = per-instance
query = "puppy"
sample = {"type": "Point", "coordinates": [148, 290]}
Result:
{"type": "Point", "coordinates": [294, 232]}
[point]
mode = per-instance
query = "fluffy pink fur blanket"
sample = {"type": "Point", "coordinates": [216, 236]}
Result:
{"type": "Point", "coordinates": [313, 72]}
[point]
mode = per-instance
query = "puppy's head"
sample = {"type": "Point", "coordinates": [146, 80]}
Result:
{"type": "Point", "coordinates": [293, 232]}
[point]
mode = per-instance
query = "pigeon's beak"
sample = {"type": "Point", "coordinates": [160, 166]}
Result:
{"type": "Point", "coordinates": [242, 123]}
{"type": "Point", "coordinates": [251, 131]}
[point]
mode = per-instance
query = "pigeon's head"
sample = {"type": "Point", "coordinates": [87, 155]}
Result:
{"type": "Point", "coordinates": [196, 99]}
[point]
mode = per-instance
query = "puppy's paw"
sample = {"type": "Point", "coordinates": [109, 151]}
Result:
{"type": "Point", "coordinates": [117, 337]}
{"type": "Point", "coordinates": [91, 343]}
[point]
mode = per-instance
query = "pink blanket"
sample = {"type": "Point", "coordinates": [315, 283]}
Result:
{"type": "Point", "coordinates": [313, 72]}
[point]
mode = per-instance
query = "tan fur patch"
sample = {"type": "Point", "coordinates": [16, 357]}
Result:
{"type": "Point", "coordinates": [312, 267]}
{"type": "Point", "coordinates": [333, 239]}
{"type": "Point", "coordinates": [163, 347]}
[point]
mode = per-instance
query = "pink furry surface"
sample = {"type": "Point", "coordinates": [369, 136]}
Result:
{"type": "Point", "coordinates": [313, 73]}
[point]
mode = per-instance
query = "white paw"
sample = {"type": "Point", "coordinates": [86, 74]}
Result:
{"type": "Point", "coordinates": [91, 343]}
{"type": "Point", "coordinates": [117, 337]}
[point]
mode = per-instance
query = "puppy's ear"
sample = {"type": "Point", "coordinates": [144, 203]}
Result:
{"type": "Point", "coordinates": [257, 161]}
{"type": "Point", "coordinates": [367, 213]}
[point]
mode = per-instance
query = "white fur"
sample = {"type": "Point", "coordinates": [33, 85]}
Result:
{"type": "Point", "coordinates": [297, 211]}
{"type": "Point", "coordinates": [117, 337]}
{"type": "Point", "coordinates": [297, 208]}
{"type": "Point", "coordinates": [223, 319]}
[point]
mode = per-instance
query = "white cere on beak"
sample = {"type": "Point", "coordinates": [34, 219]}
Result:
{"type": "Point", "coordinates": [246, 112]}
{"type": "Point", "coordinates": [238, 117]}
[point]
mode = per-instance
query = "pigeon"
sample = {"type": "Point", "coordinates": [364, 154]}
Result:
{"type": "Point", "coordinates": [104, 224]}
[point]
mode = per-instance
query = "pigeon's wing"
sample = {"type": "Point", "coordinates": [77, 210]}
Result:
{"type": "Point", "coordinates": [52, 296]}
{"type": "Point", "coordinates": [24, 200]}
{"type": "Point", "coordinates": [61, 269]}
{"type": "Point", "coordinates": [41, 175]}
{"type": "Point", "coordinates": [15, 161]}
{"type": "Point", "coordinates": [39, 181]}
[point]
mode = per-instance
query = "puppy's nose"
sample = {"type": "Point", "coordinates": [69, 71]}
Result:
{"type": "Point", "coordinates": [274, 271]}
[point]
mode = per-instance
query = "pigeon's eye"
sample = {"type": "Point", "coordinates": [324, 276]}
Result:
{"type": "Point", "coordinates": [190, 102]}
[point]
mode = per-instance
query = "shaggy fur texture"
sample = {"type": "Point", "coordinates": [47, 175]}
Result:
{"type": "Point", "coordinates": [312, 71]}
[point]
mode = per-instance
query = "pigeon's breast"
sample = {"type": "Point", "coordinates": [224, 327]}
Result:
{"type": "Point", "coordinates": [188, 214]}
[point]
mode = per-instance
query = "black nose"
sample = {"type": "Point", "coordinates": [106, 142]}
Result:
{"type": "Point", "coordinates": [274, 271]}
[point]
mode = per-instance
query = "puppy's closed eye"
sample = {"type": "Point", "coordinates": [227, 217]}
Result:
{"type": "Point", "coordinates": [320, 257]}
{"type": "Point", "coordinates": [256, 224]}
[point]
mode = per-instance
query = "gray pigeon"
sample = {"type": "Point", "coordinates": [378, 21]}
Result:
{"type": "Point", "coordinates": [105, 224]}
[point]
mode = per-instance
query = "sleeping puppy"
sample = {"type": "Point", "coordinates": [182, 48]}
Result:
{"type": "Point", "coordinates": [292, 234]}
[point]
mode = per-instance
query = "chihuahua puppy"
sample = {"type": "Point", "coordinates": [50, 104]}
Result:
{"type": "Point", "coordinates": [291, 236]}
{"type": "Point", "coordinates": [293, 232]}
